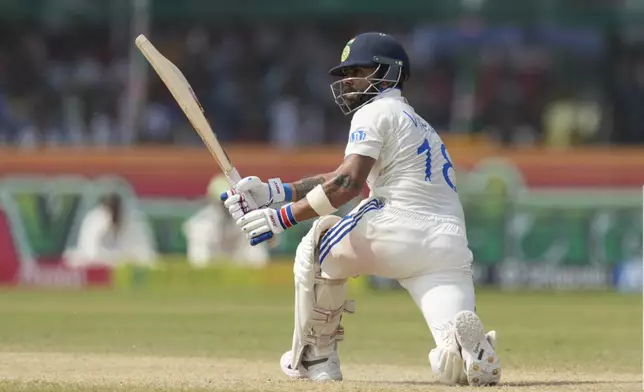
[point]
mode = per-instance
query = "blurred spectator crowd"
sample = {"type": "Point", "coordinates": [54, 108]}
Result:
{"type": "Point", "coordinates": [269, 83]}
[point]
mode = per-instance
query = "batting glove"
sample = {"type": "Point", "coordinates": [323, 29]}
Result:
{"type": "Point", "coordinates": [262, 224]}
{"type": "Point", "coordinates": [264, 194]}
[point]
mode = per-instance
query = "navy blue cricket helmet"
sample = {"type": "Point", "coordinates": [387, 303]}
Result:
{"type": "Point", "coordinates": [369, 50]}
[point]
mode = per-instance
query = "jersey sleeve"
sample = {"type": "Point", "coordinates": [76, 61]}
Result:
{"type": "Point", "coordinates": [366, 136]}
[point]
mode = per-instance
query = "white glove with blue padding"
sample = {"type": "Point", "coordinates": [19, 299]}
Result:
{"type": "Point", "coordinates": [262, 193]}
{"type": "Point", "coordinates": [262, 224]}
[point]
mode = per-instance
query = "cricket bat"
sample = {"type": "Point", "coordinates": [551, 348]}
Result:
{"type": "Point", "coordinates": [189, 103]}
{"type": "Point", "coordinates": [182, 92]}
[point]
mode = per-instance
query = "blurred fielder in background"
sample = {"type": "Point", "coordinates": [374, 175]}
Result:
{"type": "Point", "coordinates": [113, 233]}
{"type": "Point", "coordinates": [411, 228]}
{"type": "Point", "coordinates": [212, 236]}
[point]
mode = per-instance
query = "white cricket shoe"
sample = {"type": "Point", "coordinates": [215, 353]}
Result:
{"type": "Point", "coordinates": [323, 369]}
{"type": "Point", "coordinates": [480, 361]}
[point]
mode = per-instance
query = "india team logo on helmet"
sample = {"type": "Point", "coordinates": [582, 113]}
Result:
{"type": "Point", "coordinates": [347, 50]}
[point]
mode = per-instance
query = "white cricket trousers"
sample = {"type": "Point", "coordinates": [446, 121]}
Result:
{"type": "Point", "coordinates": [427, 254]}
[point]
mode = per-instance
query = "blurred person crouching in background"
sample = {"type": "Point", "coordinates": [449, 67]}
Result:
{"type": "Point", "coordinates": [212, 236]}
{"type": "Point", "coordinates": [112, 234]}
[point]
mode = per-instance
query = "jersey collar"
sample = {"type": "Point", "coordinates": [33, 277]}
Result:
{"type": "Point", "coordinates": [394, 93]}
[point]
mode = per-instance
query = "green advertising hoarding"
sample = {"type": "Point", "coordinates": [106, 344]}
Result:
{"type": "Point", "coordinates": [506, 220]}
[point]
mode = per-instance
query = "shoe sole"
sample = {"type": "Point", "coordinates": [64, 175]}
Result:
{"type": "Point", "coordinates": [485, 368]}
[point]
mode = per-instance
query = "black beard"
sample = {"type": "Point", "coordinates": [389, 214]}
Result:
{"type": "Point", "coordinates": [362, 98]}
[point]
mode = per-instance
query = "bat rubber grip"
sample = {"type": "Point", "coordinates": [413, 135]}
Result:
{"type": "Point", "coordinates": [261, 238]}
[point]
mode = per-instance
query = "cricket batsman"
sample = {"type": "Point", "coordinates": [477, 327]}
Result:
{"type": "Point", "coordinates": [411, 227]}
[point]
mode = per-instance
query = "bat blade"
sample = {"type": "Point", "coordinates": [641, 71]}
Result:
{"type": "Point", "coordinates": [187, 100]}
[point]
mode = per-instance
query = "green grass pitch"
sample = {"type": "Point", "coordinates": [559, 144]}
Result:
{"type": "Point", "coordinates": [231, 339]}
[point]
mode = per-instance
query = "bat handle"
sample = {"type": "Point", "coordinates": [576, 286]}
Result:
{"type": "Point", "coordinates": [233, 176]}
{"type": "Point", "coordinates": [261, 238]}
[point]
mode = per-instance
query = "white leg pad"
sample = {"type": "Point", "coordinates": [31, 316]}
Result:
{"type": "Point", "coordinates": [319, 302]}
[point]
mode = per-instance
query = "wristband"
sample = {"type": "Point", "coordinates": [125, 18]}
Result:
{"type": "Point", "coordinates": [276, 191]}
{"type": "Point", "coordinates": [286, 217]}
{"type": "Point", "coordinates": [320, 202]}
{"type": "Point", "coordinates": [288, 193]}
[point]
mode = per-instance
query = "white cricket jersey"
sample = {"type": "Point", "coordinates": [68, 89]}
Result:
{"type": "Point", "coordinates": [413, 170]}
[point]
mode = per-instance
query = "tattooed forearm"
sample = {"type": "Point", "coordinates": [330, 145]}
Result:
{"type": "Point", "coordinates": [341, 183]}
{"type": "Point", "coordinates": [339, 186]}
{"type": "Point", "coordinates": [305, 186]}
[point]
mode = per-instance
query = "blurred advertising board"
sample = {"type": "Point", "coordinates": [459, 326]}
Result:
{"type": "Point", "coordinates": [536, 218]}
